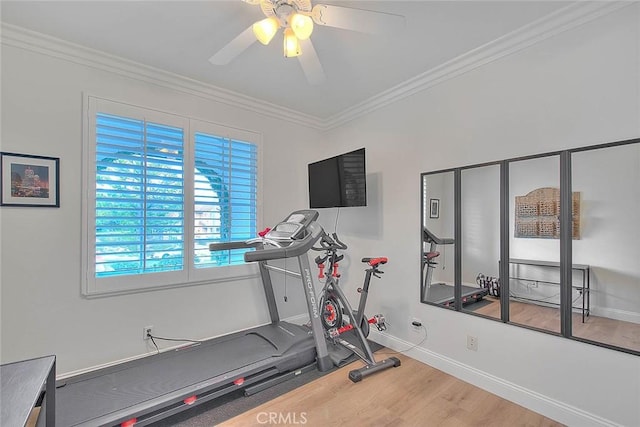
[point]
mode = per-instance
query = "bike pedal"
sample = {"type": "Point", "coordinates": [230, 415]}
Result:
{"type": "Point", "coordinates": [380, 322]}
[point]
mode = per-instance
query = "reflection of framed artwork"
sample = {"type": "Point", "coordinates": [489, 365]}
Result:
{"type": "Point", "coordinates": [537, 214]}
{"type": "Point", "coordinates": [434, 208]}
{"type": "Point", "coordinates": [27, 180]}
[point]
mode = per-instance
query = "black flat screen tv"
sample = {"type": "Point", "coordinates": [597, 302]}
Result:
{"type": "Point", "coordinates": [339, 181]}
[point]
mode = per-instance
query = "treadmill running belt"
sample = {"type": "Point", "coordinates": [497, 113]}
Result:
{"type": "Point", "coordinates": [440, 293]}
{"type": "Point", "coordinates": [135, 383]}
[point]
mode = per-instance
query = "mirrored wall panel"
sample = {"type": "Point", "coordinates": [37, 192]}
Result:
{"type": "Point", "coordinates": [608, 180]}
{"type": "Point", "coordinates": [534, 243]}
{"type": "Point", "coordinates": [438, 244]}
{"type": "Point", "coordinates": [480, 203]}
{"type": "Point", "coordinates": [549, 242]}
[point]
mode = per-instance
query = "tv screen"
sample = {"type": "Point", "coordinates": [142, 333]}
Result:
{"type": "Point", "coordinates": [339, 181]}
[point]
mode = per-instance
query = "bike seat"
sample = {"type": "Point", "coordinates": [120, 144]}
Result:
{"type": "Point", "coordinates": [373, 262]}
{"type": "Point", "coordinates": [431, 255]}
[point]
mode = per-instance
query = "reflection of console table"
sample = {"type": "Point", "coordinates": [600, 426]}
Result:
{"type": "Point", "coordinates": [583, 288]}
{"type": "Point", "coordinates": [21, 386]}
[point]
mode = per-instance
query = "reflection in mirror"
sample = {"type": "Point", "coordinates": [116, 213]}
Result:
{"type": "Point", "coordinates": [607, 179]}
{"type": "Point", "coordinates": [534, 244]}
{"type": "Point", "coordinates": [481, 239]}
{"type": "Point", "coordinates": [438, 246]}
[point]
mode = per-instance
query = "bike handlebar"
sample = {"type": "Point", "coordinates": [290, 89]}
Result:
{"type": "Point", "coordinates": [338, 243]}
{"type": "Point", "coordinates": [332, 243]}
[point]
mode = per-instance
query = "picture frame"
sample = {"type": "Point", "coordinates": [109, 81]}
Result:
{"type": "Point", "coordinates": [29, 180]}
{"type": "Point", "coordinates": [434, 208]}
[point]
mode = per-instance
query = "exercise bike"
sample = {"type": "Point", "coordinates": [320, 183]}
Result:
{"type": "Point", "coordinates": [337, 316]}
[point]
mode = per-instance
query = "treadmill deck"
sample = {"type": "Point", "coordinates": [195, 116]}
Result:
{"type": "Point", "coordinates": [440, 293]}
{"type": "Point", "coordinates": [144, 386]}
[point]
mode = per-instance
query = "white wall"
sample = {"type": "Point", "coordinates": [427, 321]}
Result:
{"type": "Point", "coordinates": [42, 309]}
{"type": "Point", "coordinates": [577, 88]}
{"type": "Point", "coordinates": [480, 222]}
{"type": "Point", "coordinates": [610, 200]}
{"type": "Point", "coordinates": [440, 186]}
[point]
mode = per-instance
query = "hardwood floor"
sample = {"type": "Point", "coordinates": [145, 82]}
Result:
{"type": "Point", "coordinates": [413, 394]}
{"type": "Point", "coordinates": [600, 329]}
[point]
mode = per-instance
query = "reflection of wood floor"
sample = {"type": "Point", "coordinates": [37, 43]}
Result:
{"type": "Point", "coordinates": [413, 394]}
{"type": "Point", "coordinates": [600, 329]}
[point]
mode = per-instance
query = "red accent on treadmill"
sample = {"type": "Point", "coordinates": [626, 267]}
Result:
{"type": "Point", "coordinates": [239, 381]}
{"type": "Point", "coordinates": [129, 423]}
{"type": "Point", "coordinates": [264, 232]}
{"type": "Point", "coordinates": [376, 261]}
{"type": "Point", "coordinates": [190, 400]}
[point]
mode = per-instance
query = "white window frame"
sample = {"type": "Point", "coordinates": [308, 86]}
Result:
{"type": "Point", "coordinates": [115, 285]}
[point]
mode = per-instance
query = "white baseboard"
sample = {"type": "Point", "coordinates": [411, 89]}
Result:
{"type": "Point", "coordinates": [556, 410]}
{"type": "Point", "coordinates": [612, 313]}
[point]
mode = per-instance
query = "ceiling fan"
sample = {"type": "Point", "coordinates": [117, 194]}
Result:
{"type": "Point", "coordinates": [297, 18]}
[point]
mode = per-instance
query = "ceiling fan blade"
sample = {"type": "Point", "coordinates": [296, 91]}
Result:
{"type": "Point", "coordinates": [310, 63]}
{"type": "Point", "coordinates": [234, 48]}
{"type": "Point", "coordinates": [364, 21]}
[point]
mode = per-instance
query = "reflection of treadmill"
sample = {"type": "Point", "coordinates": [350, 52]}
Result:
{"type": "Point", "coordinates": [146, 390]}
{"type": "Point", "coordinates": [441, 293]}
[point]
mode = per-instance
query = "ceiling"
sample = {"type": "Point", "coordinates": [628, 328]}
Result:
{"type": "Point", "coordinates": [180, 37]}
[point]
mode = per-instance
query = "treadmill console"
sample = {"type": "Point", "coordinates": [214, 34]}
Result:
{"type": "Point", "coordinates": [293, 227]}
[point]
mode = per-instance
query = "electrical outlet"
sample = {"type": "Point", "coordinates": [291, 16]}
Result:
{"type": "Point", "coordinates": [472, 343]}
{"type": "Point", "coordinates": [416, 324]}
{"type": "Point", "coordinates": [146, 331]}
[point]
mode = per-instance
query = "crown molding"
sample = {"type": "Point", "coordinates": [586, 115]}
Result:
{"type": "Point", "coordinates": [564, 19]}
{"type": "Point", "coordinates": [15, 36]}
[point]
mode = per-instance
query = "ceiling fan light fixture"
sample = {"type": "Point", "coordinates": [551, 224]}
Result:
{"type": "Point", "coordinates": [302, 26]}
{"type": "Point", "coordinates": [265, 30]}
{"type": "Point", "coordinates": [291, 44]}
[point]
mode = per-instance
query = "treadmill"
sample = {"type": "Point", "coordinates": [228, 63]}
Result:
{"type": "Point", "coordinates": [146, 390]}
{"type": "Point", "coordinates": [441, 293]}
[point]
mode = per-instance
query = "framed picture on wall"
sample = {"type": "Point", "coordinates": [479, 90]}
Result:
{"type": "Point", "coordinates": [434, 208]}
{"type": "Point", "coordinates": [27, 180]}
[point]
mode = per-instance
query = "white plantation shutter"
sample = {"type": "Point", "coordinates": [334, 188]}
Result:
{"type": "Point", "coordinates": [139, 225]}
{"type": "Point", "coordinates": [425, 202]}
{"type": "Point", "coordinates": [158, 189]}
{"type": "Point", "coordinates": [225, 205]}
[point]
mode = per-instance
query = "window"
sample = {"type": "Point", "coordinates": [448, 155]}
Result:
{"type": "Point", "coordinates": [225, 197]}
{"type": "Point", "coordinates": [159, 188]}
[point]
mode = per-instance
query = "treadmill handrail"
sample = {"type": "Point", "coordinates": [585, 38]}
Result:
{"type": "Point", "coordinates": [429, 237]}
{"type": "Point", "coordinates": [239, 244]}
{"type": "Point", "coordinates": [296, 248]}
